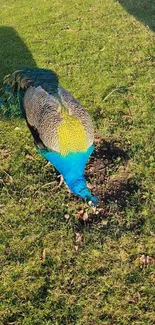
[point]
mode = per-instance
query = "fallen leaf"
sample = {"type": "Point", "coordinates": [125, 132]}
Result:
{"type": "Point", "coordinates": [29, 157]}
{"type": "Point", "coordinates": [145, 260]}
{"type": "Point", "coordinates": [80, 214]}
{"type": "Point", "coordinates": [78, 237]}
{"type": "Point", "coordinates": [90, 186]}
{"type": "Point", "coordinates": [127, 116]}
{"type": "Point", "coordinates": [4, 153]}
{"type": "Point", "coordinates": [42, 209]}
{"type": "Point", "coordinates": [43, 256]}
{"type": "Point", "coordinates": [85, 216]}
{"type": "Point", "coordinates": [143, 197]}
{"type": "Point", "coordinates": [97, 140]}
{"type": "Point", "coordinates": [8, 178]}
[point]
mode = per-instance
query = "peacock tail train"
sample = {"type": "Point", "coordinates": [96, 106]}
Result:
{"type": "Point", "coordinates": [62, 129]}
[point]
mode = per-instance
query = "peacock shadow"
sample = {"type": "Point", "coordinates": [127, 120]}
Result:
{"type": "Point", "coordinates": [13, 52]}
{"type": "Point", "coordinates": [142, 10]}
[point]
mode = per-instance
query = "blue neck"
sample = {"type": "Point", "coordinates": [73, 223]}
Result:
{"type": "Point", "coordinates": [72, 168]}
{"type": "Point", "coordinates": [80, 188]}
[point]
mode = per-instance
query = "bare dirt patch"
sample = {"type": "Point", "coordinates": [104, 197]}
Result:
{"type": "Point", "coordinates": [110, 179]}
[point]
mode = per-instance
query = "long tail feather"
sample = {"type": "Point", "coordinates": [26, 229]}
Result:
{"type": "Point", "coordinates": [15, 85]}
{"type": "Point", "coordinates": [18, 79]}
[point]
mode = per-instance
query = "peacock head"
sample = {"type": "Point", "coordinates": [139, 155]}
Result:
{"type": "Point", "coordinates": [79, 187]}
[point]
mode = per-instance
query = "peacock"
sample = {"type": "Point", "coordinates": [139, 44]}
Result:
{"type": "Point", "coordinates": [62, 129]}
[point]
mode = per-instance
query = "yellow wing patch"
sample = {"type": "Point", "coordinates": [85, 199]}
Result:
{"type": "Point", "coordinates": [71, 134]}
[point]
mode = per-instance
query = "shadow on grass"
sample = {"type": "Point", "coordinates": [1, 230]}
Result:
{"type": "Point", "coordinates": [142, 10]}
{"type": "Point", "coordinates": [13, 52]}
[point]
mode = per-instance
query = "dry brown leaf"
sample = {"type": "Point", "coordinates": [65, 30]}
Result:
{"type": "Point", "coordinates": [97, 140]}
{"type": "Point", "coordinates": [80, 214]}
{"type": "Point", "coordinates": [42, 209]}
{"type": "Point", "coordinates": [43, 256]}
{"type": "Point", "coordinates": [4, 153]}
{"type": "Point", "coordinates": [126, 116]}
{"type": "Point", "coordinates": [29, 157]}
{"type": "Point", "coordinates": [8, 179]}
{"type": "Point", "coordinates": [145, 260]}
{"type": "Point", "coordinates": [79, 237]}
{"type": "Point", "coordinates": [90, 186]}
{"type": "Point", "coordinates": [143, 197]}
{"type": "Point", "coordinates": [85, 216]}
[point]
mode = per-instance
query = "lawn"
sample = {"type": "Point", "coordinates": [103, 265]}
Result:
{"type": "Point", "coordinates": [61, 263]}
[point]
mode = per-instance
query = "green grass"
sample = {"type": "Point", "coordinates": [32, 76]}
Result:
{"type": "Point", "coordinates": [48, 276]}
